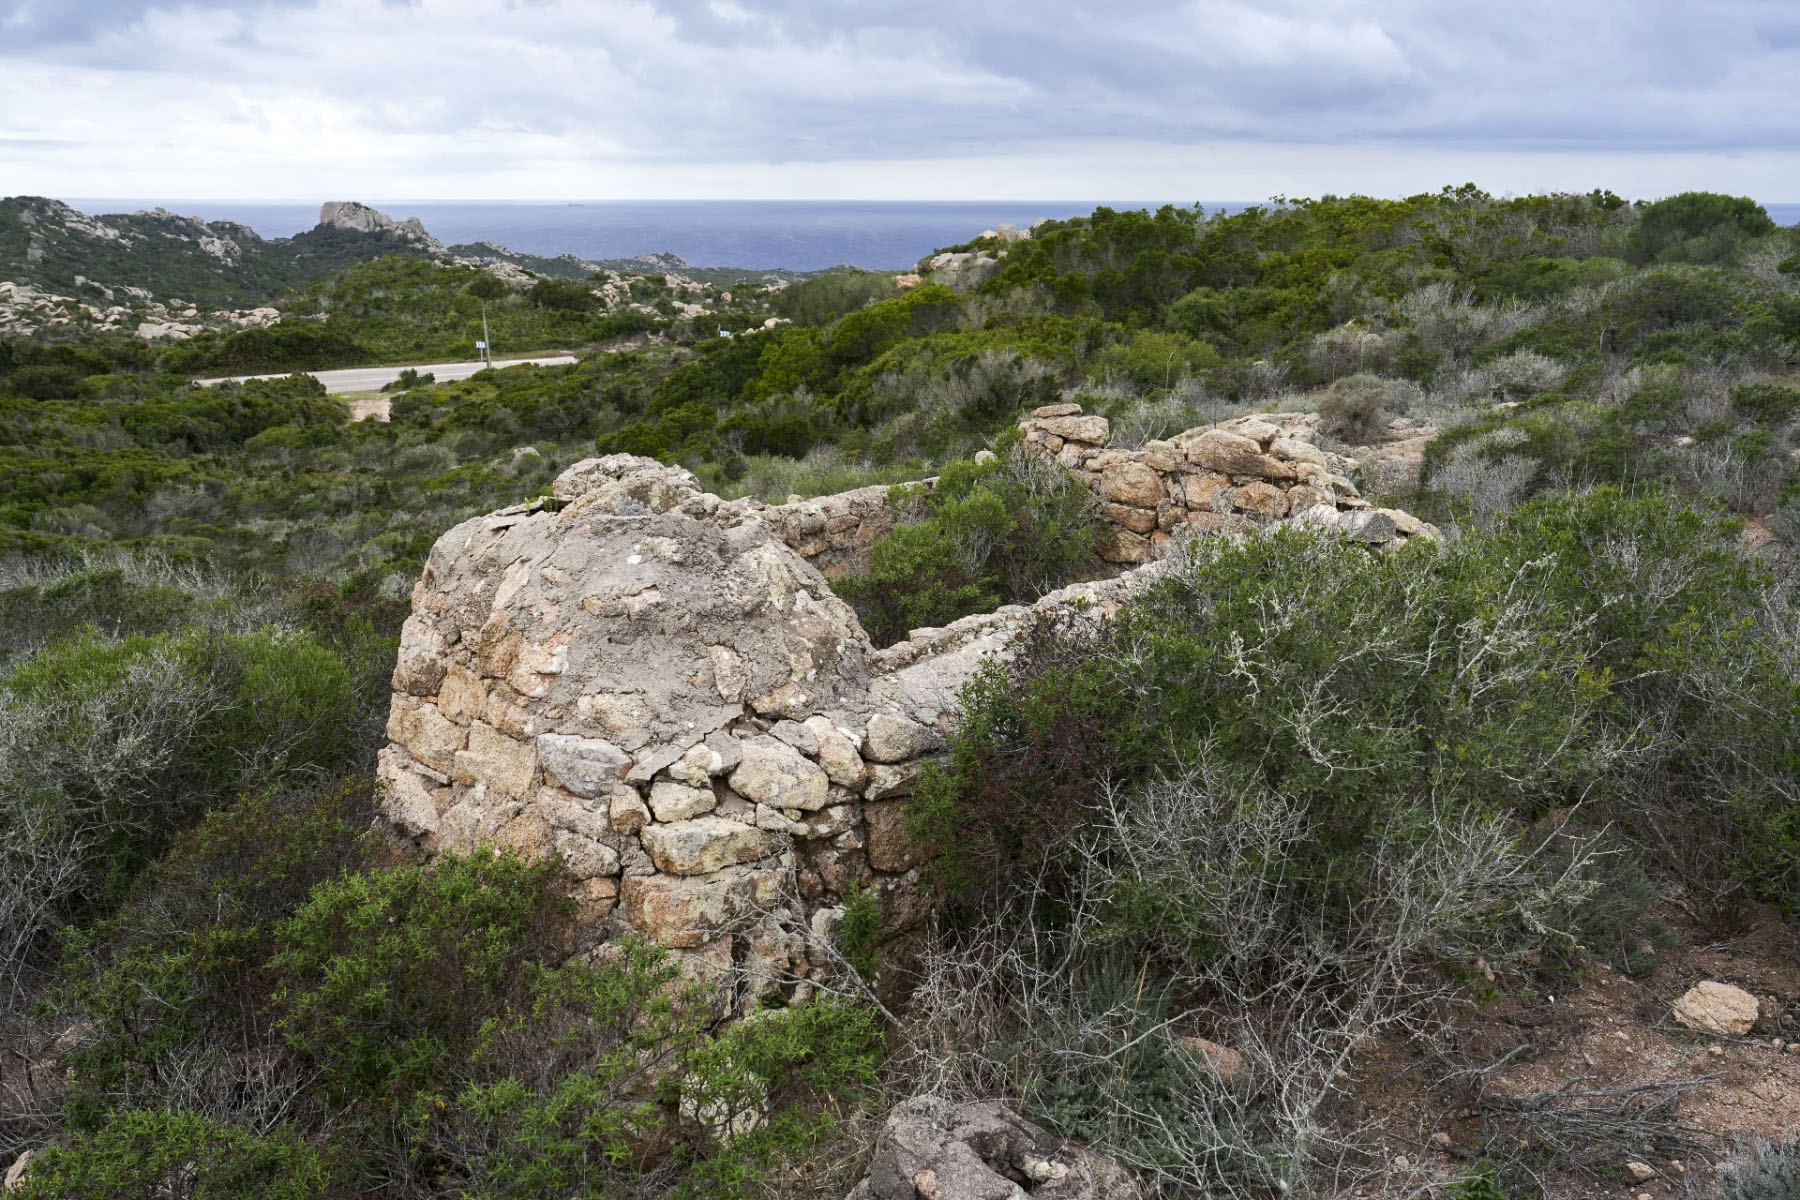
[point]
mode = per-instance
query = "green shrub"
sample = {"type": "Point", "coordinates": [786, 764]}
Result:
{"type": "Point", "coordinates": [427, 1029]}
{"type": "Point", "coordinates": [107, 748]}
{"type": "Point", "coordinates": [1003, 532]}
{"type": "Point", "coordinates": [1766, 403]}
{"type": "Point", "coordinates": [119, 601]}
{"type": "Point", "coordinates": [289, 346]}
{"type": "Point", "coordinates": [46, 382]}
{"type": "Point", "coordinates": [1611, 920]}
{"type": "Point", "coordinates": [563, 294]}
{"type": "Point", "coordinates": [1702, 227]}
{"type": "Point", "coordinates": [861, 930]}
{"type": "Point", "coordinates": [1296, 789]}
{"type": "Point", "coordinates": [1567, 653]}
{"type": "Point", "coordinates": [382, 977]}
{"type": "Point", "coordinates": [1482, 1182]}
{"type": "Point", "coordinates": [488, 286]}
{"type": "Point", "coordinates": [565, 1090]}
{"type": "Point", "coordinates": [778, 1068]}
{"type": "Point", "coordinates": [290, 703]}
{"type": "Point", "coordinates": [409, 379]}
{"type": "Point", "coordinates": [822, 298]}
{"type": "Point", "coordinates": [143, 1153]}
{"type": "Point", "coordinates": [1153, 359]}
{"type": "Point", "coordinates": [429, 1000]}
{"type": "Point", "coordinates": [575, 1093]}
{"type": "Point", "coordinates": [178, 971]}
{"type": "Point", "coordinates": [1038, 741]}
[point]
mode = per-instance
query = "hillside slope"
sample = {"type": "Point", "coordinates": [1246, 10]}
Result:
{"type": "Point", "coordinates": [49, 245]}
{"type": "Point", "coordinates": [122, 257]}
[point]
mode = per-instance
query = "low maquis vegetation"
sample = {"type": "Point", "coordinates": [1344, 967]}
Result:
{"type": "Point", "coordinates": [1296, 797]}
{"type": "Point", "coordinates": [1294, 791]}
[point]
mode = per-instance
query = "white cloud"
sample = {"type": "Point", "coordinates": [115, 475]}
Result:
{"type": "Point", "coordinates": [942, 98]}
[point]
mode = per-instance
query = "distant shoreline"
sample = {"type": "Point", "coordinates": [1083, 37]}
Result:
{"type": "Point", "coordinates": [801, 235]}
{"type": "Point", "coordinates": [798, 235]}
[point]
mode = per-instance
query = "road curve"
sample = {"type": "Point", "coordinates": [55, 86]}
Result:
{"type": "Point", "coordinates": [373, 379]}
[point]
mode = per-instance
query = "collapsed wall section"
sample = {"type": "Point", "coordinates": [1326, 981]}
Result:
{"type": "Point", "coordinates": [1223, 478]}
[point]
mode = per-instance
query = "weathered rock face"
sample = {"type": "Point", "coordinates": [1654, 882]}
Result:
{"type": "Point", "coordinates": [351, 214]}
{"type": "Point", "coordinates": [25, 311]}
{"type": "Point", "coordinates": [984, 1151]}
{"type": "Point", "coordinates": [15, 1174]}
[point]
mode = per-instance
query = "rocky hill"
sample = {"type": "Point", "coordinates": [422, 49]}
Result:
{"type": "Point", "coordinates": [494, 257]}
{"type": "Point", "coordinates": [25, 311]}
{"type": "Point", "coordinates": [49, 246]}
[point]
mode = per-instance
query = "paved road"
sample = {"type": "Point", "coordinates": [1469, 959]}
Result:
{"type": "Point", "coordinates": [371, 379]}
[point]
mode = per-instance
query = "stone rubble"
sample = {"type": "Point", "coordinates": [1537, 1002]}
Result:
{"type": "Point", "coordinates": [1231, 477]}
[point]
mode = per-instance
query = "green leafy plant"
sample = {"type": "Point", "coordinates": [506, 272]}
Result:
{"type": "Point", "coordinates": [382, 976]}
{"type": "Point", "coordinates": [185, 1157]}
{"type": "Point", "coordinates": [1003, 532]}
{"type": "Point", "coordinates": [860, 931]}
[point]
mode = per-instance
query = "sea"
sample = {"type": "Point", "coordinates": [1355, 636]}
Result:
{"type": "Point", "coordinates": [797, 235]}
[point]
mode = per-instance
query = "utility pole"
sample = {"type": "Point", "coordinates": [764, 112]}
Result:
{"type": "Point", "coordinates": [487, 344]}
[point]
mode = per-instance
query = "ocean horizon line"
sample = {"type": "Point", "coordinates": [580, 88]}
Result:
{"type": "Point", "coordinates": [748, 234]}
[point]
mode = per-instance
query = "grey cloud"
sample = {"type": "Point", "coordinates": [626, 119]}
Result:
{"type": "Point", "coordinates": [766, 80]}
{"type": "Point", "coordinates": [38, 24]}
{"type": "Point", "coordinates": [1616, 69]}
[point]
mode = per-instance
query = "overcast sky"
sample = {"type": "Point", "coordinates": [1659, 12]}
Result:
{"type": "Point", "coordinates": [901, 99]}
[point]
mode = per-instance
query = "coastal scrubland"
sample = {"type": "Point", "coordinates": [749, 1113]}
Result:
{"type": "Point", "coordinates": [1301, 800]}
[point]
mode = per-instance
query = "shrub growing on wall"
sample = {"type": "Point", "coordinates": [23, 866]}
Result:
{"type": "Point", "coordinates": [985, 535]}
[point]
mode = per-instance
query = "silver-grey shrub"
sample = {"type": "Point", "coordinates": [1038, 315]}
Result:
{"type": "Point", "coordinates": [1448, 321]}
{"type": "Point", "coordinates": [1485, 479]}
{"type": "Point", "coordinates": [1762, 1170]}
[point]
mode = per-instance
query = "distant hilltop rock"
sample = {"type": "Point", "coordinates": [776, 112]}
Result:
{"type": "Point", "coordinates": [53, 248]}
{"type": "Point", "coordinates": [359, 217]}
{"type": "Point", "coordinates": [666, 261]}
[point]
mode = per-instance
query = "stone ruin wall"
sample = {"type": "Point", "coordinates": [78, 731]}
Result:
{"type": "Point", "coordinates": [660, 687]}
{"type": "Point", "coordinates": [1230, 477]}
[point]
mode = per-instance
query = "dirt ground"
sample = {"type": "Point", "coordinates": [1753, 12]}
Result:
{"type": "Point", "coordinates": [1566, 1080]}
{"type": "Point", "coordinates": [366, 406]}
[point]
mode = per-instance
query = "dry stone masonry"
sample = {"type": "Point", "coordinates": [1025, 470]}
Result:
{"type": "Point", "coordinates": [1230, 477]}
{"type": "Point", "coordinates": [1218, 479]}
{"type": "Point", "coordinates": [659, 687]}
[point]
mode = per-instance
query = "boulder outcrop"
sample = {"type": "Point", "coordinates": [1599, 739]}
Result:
{"type": "Point", "coordinates": [354, 215]}
{"type": "Point", "coordinates": [1717, 1008]}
